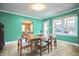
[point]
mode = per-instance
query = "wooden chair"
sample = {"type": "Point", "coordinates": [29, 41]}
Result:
{"type": "Point", "coordinates": [23, 45]}
{"type": "Point", "coordinates": [54, 42]}
{"type": "Point", "coordinates": [41, 45]}
{"type": "Point", "coordinates": [49, 41]}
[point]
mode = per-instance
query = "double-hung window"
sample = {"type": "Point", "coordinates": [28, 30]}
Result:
{"type": "Point", "coordinates": [65, 26]}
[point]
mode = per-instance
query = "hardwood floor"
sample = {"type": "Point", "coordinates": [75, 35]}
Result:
{"type": "Point", "coordinates": [62, 50]}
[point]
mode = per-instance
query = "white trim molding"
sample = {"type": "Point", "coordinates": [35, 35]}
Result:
{"type": "Point", "coordinates": [11, 42]}
{"type": "Point", "coordinates": [60, 41]}
{"type": "Point", "coordinates": [19, 14]}
{"type": "Point", "coordinates": [74, 44]}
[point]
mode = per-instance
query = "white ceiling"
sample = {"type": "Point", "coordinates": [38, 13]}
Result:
{"type": "Point", "coordinates": [51, 9]}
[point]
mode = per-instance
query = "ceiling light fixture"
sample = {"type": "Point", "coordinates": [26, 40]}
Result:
{"type": "Point", "coordinates": [38, 7]}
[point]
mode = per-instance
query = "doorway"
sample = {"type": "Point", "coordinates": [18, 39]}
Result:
{"type": "Point", "coordinates": [27, 27]}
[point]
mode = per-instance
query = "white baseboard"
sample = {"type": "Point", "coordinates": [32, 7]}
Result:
{"type": "Point", "coordinates": [74, 44]}
{"type": "Point", "coordinates": [60, 41]}
{"type": "Point", "coordinates": [11, 42]}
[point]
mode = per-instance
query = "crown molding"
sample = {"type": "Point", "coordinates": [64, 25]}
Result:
{"type": "Point", "coordinates": [19, 14]}
{"type": "Point", "coordinates": [62, 13]}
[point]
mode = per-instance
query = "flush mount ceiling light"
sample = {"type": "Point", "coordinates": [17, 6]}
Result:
{"type": "Point", "coordinates": [38, 7]}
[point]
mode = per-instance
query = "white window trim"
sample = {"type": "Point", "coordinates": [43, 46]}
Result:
{"type": "Point", "coordinates": [62, 22]}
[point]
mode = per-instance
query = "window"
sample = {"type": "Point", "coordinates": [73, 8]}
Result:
{"type": "Point", "coordinates": [66, 26]}
{"type": "Point", "coordinates": [57, 26]}
{"type": "Point", "coordinates": [70, 25]}
{"type": "Point", "coordinates": [46, 28]}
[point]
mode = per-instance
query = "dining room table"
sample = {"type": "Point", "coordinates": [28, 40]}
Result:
{"type": "Point", "coordinates": [33, 39]}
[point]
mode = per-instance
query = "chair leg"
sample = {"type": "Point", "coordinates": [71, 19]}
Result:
{"type": "Point", "coordinates": [35, 48]}
{"type": "Point", "coordinates": [40, 52]}
{"type": "Point", "coordinates": [48, 48]}
{"type": "Point", "coordinates": [31, 49]}
{"type": "Point", "coordinates": [51, 46]}
{"type": "Point", "coordinates": [18, 47]}
{"type": "Point", "coordinates": [55, 45]}
{"type": "Point", "coordinates": [20, 52]}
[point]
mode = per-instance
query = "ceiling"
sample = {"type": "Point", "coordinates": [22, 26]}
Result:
{"type": "Point", "coordinates": [51, 9]}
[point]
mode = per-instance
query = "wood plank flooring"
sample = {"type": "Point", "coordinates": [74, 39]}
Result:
{"type": "Point", "coordinates": [62, 50]}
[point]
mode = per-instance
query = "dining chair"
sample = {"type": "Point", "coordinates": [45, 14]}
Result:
{"type": "Point", "coordinates": [41, 46]}
{"type": "Point", "coordinates": [23, 44]}
{"type": "Point", "coordinates": [55, 42]}
{"type": "Point", "coordinates": [49, 40]}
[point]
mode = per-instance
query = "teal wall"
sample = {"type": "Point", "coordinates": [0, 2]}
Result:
{"type": "Point", "coordinates": [67, 38]}
{"type": "Point", "coordinates": [12, 25]}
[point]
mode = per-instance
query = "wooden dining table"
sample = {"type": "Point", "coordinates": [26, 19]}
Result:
{"type": "Point", "coordinates": [33, 39]}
